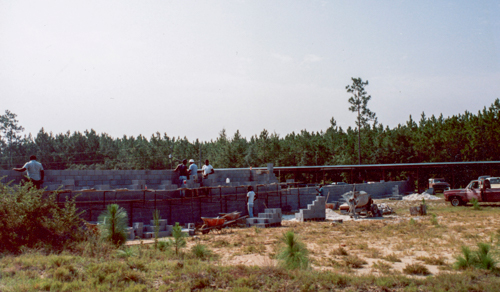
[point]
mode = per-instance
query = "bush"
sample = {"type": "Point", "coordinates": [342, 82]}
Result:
{"type": "Point", "coordinates": [294, 255]}
{"type": "Point", "coordinates": [31, 219]}
{"type": "Point", "coordinates": [114, 224]}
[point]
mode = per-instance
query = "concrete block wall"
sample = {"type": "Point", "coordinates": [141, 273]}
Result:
{"type": "Point", "coordinates": [137, 179]}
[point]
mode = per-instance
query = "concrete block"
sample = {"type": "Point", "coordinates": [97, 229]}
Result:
{"type": "Point", "coordinates": [138, 228]}
{"type": "Point", "coordinates": [68, 182]}
{"type": "Point", "coordinates": [102, 187]}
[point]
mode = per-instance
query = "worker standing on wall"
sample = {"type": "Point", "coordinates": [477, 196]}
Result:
{"type": "Point", "coordinates": [35, 172]}
{"type": "Point", "coordinates": [183, 173]}
{"type": "Point", "coordinates": [193, 170]}
{"type": "Point", "coordinates": [207, 169]}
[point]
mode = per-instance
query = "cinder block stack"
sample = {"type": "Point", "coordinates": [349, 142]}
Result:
{"type": "Point", "coordinates": [270, 218]}
{"type": "Point", "coordinates": [137, 184]}
{"type": "Point", "coordinates": [167, 185]}
{"type": "Point", "coordinates": [103, 187]}
{"type": "Point", "coordinates": [68, 184]}
{"type": "Point", "coordinates": [164, 229]}
{"type": "Point", "coordinates": [314, 212]}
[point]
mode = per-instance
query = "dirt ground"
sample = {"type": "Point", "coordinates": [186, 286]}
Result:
{"type": "Point", "coordinates": [378, 246]}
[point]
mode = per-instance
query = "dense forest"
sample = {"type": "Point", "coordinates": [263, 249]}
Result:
{"type": "Point", "coordinates": [464, 137]}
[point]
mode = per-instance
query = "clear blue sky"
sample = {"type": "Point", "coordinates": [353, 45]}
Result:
{"type": "Point", "coordinates": [192, 68]}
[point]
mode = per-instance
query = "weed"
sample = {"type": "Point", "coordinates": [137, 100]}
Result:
{"type": "Point", "coordinates": [294, 255]}
{"type": "Point", "coordinates": [114, 224]}
{"type": "Point", "coordinates": [392, 258]}
{"type": "Point", "coordinates": [412, 222]}
{"type": "Point", "coordinates": [435, 261]}
{"type": "Point", "coordinates": [339, 251]}
{"type": "Point", "coordinates": [156, 220]}
{"type": "Point", "coordinates": [164, 245]}
{"type": "Point", "coordinates": [434, 220]}
{"type": "Point", "coordinates": [221, 243]}
{"type": "Point", "coordinates": [382, 267]}
{"type": "Point", "coordinates": [257, 230]}
{"type": "Point", "coordinates": [354, 262]}
{"type": "Point", "coordinates": [416, 269]}
{"type": "Point", "coordinates": [201, 251]}
{"type": "Point", "coordinates": [475, 204]}
{"type": "Point", "coordinates": [374, 253]}
{"type": "Point", "coordinates": [125, 253]}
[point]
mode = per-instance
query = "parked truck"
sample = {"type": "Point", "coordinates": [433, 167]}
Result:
{"type": "Point", "coordinates": [439, 185]}
{"type": "Point", "coordinates": [460, 197]}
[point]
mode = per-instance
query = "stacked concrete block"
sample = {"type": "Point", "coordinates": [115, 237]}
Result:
{"type": "Point", "coordinates": [102, 187]}
{"type": "Point", "coordinates": [189, 230]}
{"type": "Point", "coordinates": [165, 230]}
{"type": "Point", "coordinates": [138, 228]}
{"type": "Point", "coordinates": [270, 218]}
{"type": "Point", "coordinates": [314, 211]}
{"type": "Point", "coordinates": [130, 233]}
{"type": "Point", "coordinates": [68, 184]}
{"type": "Point", "coordinates": [167, 185]}
{"type": "Point", "coordinates": [137, 184]}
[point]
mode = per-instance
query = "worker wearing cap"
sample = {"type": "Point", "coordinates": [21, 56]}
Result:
{"type": "Point", "coordinates": [193, 170]}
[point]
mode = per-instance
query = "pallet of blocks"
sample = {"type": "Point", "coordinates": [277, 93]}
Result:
{"type": "Point", "coordinates": [314, 212]}
{"type": "Point", "coordinates": [270, 218]}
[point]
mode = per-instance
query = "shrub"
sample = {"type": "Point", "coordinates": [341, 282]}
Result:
{"type": "Point", "coordinates": [31, 219]}
{"type": "Point", "coordinates": [113, 224]}
{"type": "Point", "coordinates": [294, 255]}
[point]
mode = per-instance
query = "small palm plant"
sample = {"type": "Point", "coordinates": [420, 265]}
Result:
{"type": "Point", "coordinates": [295, 254]}
{"type": "Point", "coordinates": [179, 241]}
{"type": "Point", "coordinates": [113, 224]}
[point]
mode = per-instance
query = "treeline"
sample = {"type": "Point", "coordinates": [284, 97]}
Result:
{"type": "Point", "coordinates": [464, 137]}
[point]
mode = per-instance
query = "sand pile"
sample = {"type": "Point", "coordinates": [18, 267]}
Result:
{"type": "Point", "coordinates": [420, 197]}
